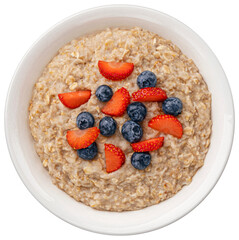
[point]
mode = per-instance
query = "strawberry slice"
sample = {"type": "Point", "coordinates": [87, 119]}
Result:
{"type": "Point", "coordinates": [149, 94]}
{"type": "Point", "coordinates": [114, 158]}
{"type": "Point", "coordinates": [74, 99]}
{"type": "Point", "coordinates": [115, 70]}
{"type": "Point", "coordinates": [167, 124]}
{"type": "Point", "coordinates": [117, 105]}
{"type": "Point", "coordinates": [79, 139]}
{"type": "Point", "coordinates": [148, 145]}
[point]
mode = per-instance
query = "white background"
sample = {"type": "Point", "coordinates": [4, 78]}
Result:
{"type": "Point", "coordinates": [21, 23]}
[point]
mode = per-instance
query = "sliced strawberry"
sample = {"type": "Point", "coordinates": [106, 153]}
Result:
{"type": "Point", "coordinates": [149, 94]}
{"type": "Point", "coordinates": [114, 158]}
{"type": "Point", "coordinates": [167, 124]}
{"type": "Point", "coordinates": [74, 99]}
{"type": "Point", "coordinates": [148, 145]}
{"type": "Point", "coordinates": [115, 70]}
{"type": "Point", "coordinates": [117, 105]}
{"type": "Point", "coordinates": [79, 139]}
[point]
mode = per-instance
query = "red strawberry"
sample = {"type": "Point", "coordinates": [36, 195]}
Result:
{"type": "Point", "coordinates": [74, 99]}
{"type": "Point", "coordinates": [148, 145]}
{"type": "Point", "coordinates": [79, 139]}
{"type": "Point", "coordinates": [117, 105]}
{"type": "Point", "coordinates": [167, 124]}
{"type": "Point", "coordinates": [114, 158]}
{"type": "Point", "coordinates": [115, 70]}
{"type": "Point", "coordinates": [149, 94]}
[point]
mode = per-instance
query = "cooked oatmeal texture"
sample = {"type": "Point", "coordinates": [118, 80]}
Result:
{"type": "Point", "coordinates": [75, 68]}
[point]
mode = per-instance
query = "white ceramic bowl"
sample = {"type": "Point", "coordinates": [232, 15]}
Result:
{"type": "Point", "coordinates": [36, 178]}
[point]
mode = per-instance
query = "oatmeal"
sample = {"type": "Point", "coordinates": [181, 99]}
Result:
{"type": "Point", "coordinates": [75, 67]}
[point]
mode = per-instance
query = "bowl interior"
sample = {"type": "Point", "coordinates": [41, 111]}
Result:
{"type": "Point", "coordinates": [27, 162]}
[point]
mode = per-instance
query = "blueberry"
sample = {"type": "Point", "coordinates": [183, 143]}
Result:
{"type": "Point", "coordinates": [104, 93]}
{"type": "Point", "coordinates": [85, 120]}
{"type": "Point", "coordinates": [88, 153]}
{"type": "Point", "coordinates": [140, 160]}
{"type": "Point", "coordinates": [172, 106]}
{"type": "Point", "coordinates": [146, 79]}
{"type": "Point", "coordinates": [137, 111]}
{"type": "Point", "coordinates": [107, 126]}
{"type": "Point", "coordinates": [132, 131]}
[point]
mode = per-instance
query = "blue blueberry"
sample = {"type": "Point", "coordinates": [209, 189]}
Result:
{"type": "Point", "coordinates": [88, 153]}
{"type": "Point", "coordinates": [137, 111]}
{"type": "Point", "coordinates": [140, 160]}
{"type": "Point", "coordinates": [172, 106]}
{"type": "Point", "coordinates": [85, 120]}
{"type": "Point", "coordinates": [104, 93]}
{"type": "Point", "coordinates": [107, 126]}
{"type": "Point", "coordinates": [146, 79]}
{"type": "Point", "coordinates": [132, 131]}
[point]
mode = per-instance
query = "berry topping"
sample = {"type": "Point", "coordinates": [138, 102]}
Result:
{"type": "Point", "coordinates": [114, 158]}
{"type": "Point", "coordinates": [115, 70]}
{"type": "Point", "coordinates": [140, 160]}
{"type": "Point", "coordinates": [85, 120]}
{"type": "Point", "coordinates": [137, 111]}
{"type": "Point", "coordinates": [88, 153]}
{"type": "Point", "coordinates": [148, 145]}
{"type": "Point", "coordinates": [167, 124]}
{"type": "Point", "coordinates": [146, 79]}
{"type": "Point", "coordinates": [79, 139]}
{"type": "Point", "coordinates": [74, 99]}
{"type": "Point", "coordinates": [107, 126]}
{"type": "Point", "coordinates": [117, 104]}
{"type": "Point", "coordinates": [104, 93]}
{"type": "Point", "coordinates": [132, 131]}
{"type": "Point", "coordinates": [149, 94]}
{"type": "Point", "coordinates": [172, 106]}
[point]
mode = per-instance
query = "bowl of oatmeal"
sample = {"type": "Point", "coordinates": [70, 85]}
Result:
{"type": "Point", "coordinates": [92, 193]}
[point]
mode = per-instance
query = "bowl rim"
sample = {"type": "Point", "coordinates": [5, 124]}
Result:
{"type": "Point", "coordinates": [14, 159]}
